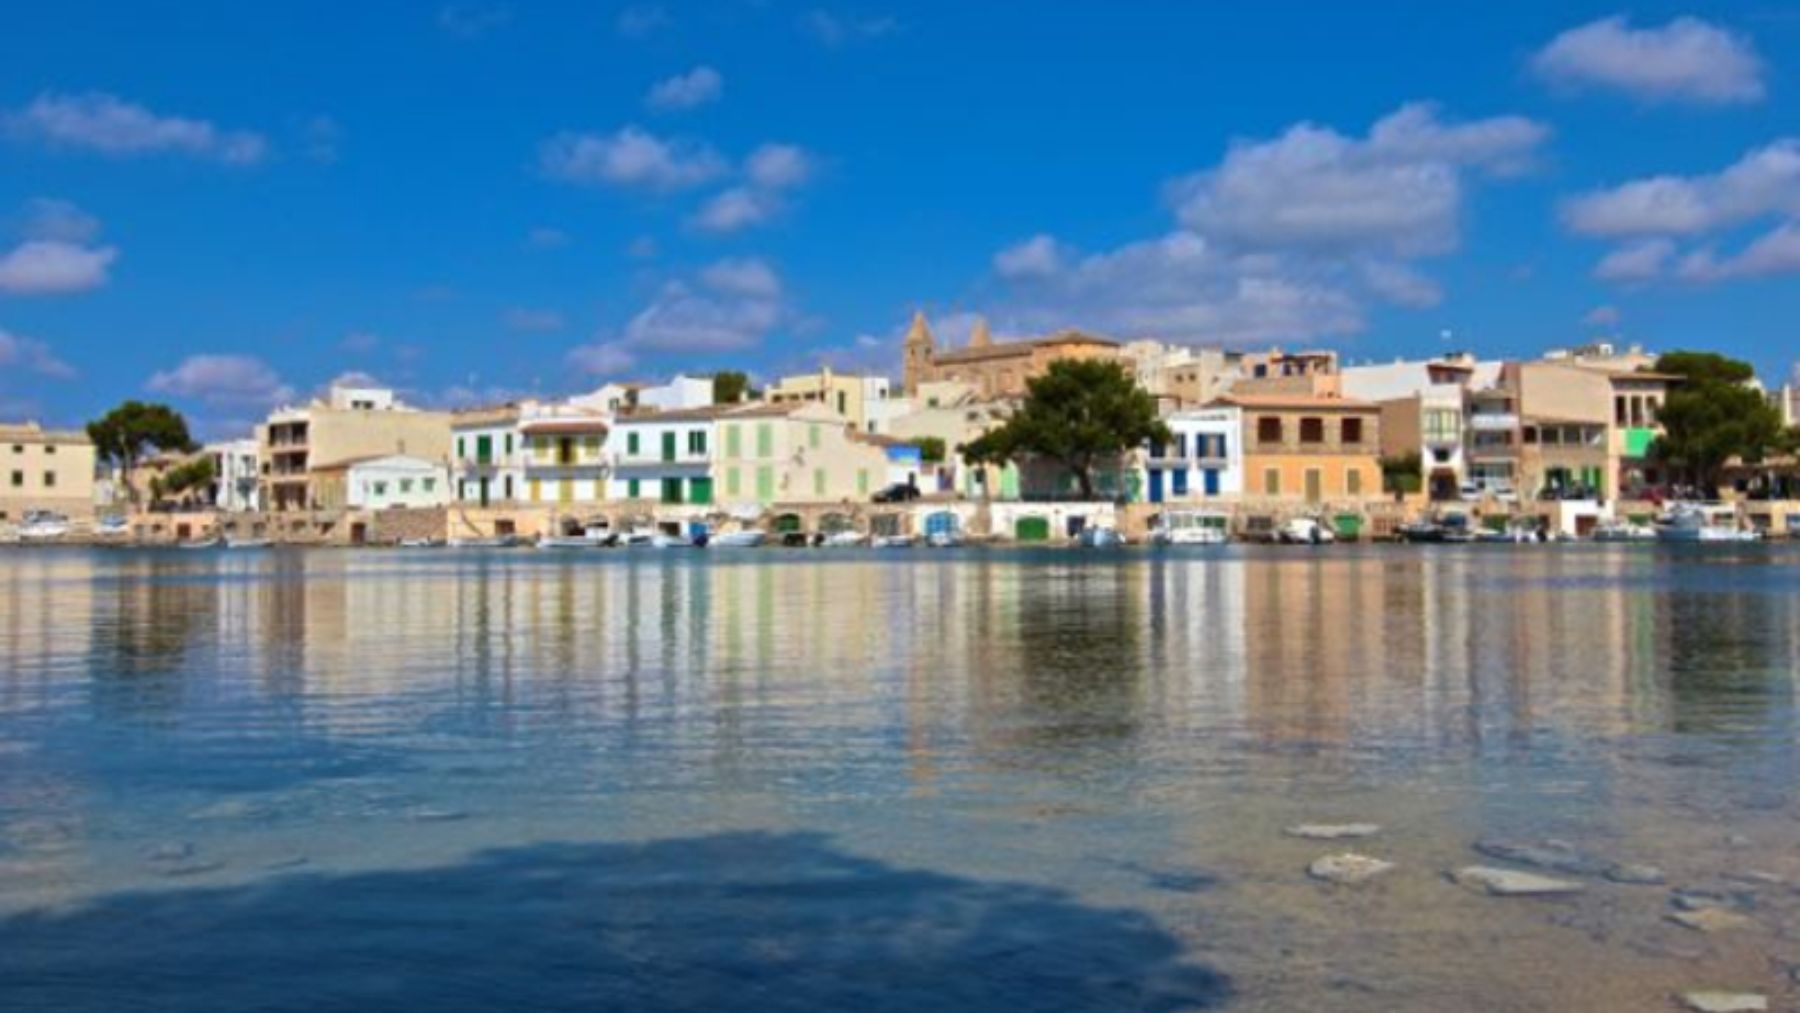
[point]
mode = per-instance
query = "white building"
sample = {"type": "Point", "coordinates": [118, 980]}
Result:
{"type": "Point", "coordinates": [382, 483]}
{"type": "Point", "coordinates": [237, 485]}
{"type": "Point", "coordinates": [1204, 462]}
{"type": "Point", "coordinates": [663, 457]}
{"type": "Point", "coordinates": [485, 451]}
{"type": "Point", "coordinates": [1425, 410]}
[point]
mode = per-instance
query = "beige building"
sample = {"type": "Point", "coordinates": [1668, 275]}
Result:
{"type": "Point", "coordinates": [994, 369]}
{"type": "Point", "coordinates": [1287, 374]}
{"type": "Point", "coordinates": [1309, 448]}
{"type": "Point", "coordinates": [45, 469]}
{"type": "Point", "coordinates": [351, 423]}
{"type": "Point", "coordinates": [795, 454]}
{"type": "Point", "coordinates": [861, 401]}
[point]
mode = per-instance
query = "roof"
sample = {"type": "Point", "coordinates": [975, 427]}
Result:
{"type": "Point", "coordinates": [566, 424]}
{"type": "Point", "coordinates": [31, 432]}
{"type": "Point", "coordinates": [350, 462]}
{"type": "Point", "coordinates": [1319, 401]}
{"type": "Point", "coordinates": [710, 413]}
{"type": "Point", "coordinates": [485, 414]}
{"type": "Point", "coordinates": [1010, 349]}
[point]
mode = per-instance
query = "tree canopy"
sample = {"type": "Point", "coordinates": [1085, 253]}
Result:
{"type": "Point", "coordinates": [1714, 414]}
{"type": "Point", "coordinates": [931, 449]}
{"type": "Point", "coordinates": [122, 436]}
{"type": "Point", "coordinates": [730, 386]}
{"type": "Point", "coordinates": [1076, 414]}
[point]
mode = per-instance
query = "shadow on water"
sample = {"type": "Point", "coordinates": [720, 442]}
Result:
{"type": "Point", "coordinates": [752, 921]}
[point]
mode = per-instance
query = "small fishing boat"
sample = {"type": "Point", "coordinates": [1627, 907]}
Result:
{"type": "Point", "coordinates": [43, 526]}
{"type": "Point", "coordinates": [422, 543]}
{"type": "Point", "coordinates": [1190, 527]}
{"type": "Point", "coordinates": [1697, 522]}
{"type": "Point", "coordinates": [1304, 531]}
{"type": "Point", "coordinates": [489, 542]}
{"type": "Point", "coordinates": [1100, 536]}
{"type": "Point", "coordinates": [893, 541]}
{"type": "Point", "coordinates": [1624, 531]}
{"type": "Point", "coordinates": [849, 538]}
{"type": "Point", "coordinates": [570, 542]}
{"type": "Point", "coordinates": [202, 543]}
{"type": "Point", "coordinates": [248, 543]}
{"type": "Point", "coordinates": [742, 538]}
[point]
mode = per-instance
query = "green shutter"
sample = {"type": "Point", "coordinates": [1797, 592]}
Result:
{"type": "Point", "coordinates": [631, 446]}
{"type": "Point", "coordinates": [765, 440]}
{"type": "Point", "coordinates": [668, 446]}
{"type": "Point", "coordinates": [818, 481]}
{"type": "Point", "coordinates": [765, 484]}
{"type": "Point", "coordinates": [631, 488]}
{"type": "Point", "coordinates": [734, 440]}
{"type": "Point", "coordinates": [700, 491]}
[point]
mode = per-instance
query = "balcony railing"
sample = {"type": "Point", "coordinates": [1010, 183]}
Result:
{"type": "Point", "coordinates": [1490, 422]}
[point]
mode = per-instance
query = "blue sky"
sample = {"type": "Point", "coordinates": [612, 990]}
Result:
{"type": "Point", "coordinates": [224, 205]}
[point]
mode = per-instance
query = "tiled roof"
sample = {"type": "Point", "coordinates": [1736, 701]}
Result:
{"type": "Point", "coordinates": [1321, 401]}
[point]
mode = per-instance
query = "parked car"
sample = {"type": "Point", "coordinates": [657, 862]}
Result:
{"type": "Point", "coordinates": [899, 492]}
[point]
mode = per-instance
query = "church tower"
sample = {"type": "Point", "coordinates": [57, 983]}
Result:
{"type": "Point", "coordinates": [921, 350]}
{"type": "Point", "coordinates": [979, 335]}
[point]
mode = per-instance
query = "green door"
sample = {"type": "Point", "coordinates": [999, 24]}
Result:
{"type": "Point", "coordinates": [700, 491]}
{"type": "Point", "coordinates": [668, 446]}
{"type": "Point", "coordinates": [1032, 529]}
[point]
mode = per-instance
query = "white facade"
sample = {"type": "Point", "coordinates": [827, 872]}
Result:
{"type": "Point", "coordinates": [663, 459]}
{"type": "Point", "coordinates": [487, 451]}
{"type": "Point", "coordinates": [237, 486]}
{"type": "Point", "coordinates": [398, 481]}
{"type": "Point", "coordinates": [1204, 462]}
{"type": "Point", "coordinates": [680, 394]}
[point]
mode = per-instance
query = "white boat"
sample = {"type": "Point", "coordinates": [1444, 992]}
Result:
{"type": "Point", "coordinates": [665, 540]}
{"type": "Point", "coordinates": [944, 539]}
{"type": "Point", "coordinates": [422, 543]}
{"type": "Point", "coordinates": [43, 526]}
{"type": "Point", "coordinates": [494, 542]}
{"type": "Point", "coordinates": [893, 541]}
{"type": "Point", "coordinates": [1190, 527]}
{"type": "Point", "coordinates": [203, 543]}
{"type": "Point", "coordinates": [849, 538]}
{"type": "Point", "coordinates": [1100, 536]}
{"type": "Point", "coordinates": [248, 543]}
{"type": "Point", "coordinates": [1304, 531]}
{"type": "Point", "coordinates": [1624, 531]}
{"type": "Point", "coordinates": [112, 527]}
{"type": "Point", "coordinates": [1695, 522]}
{"type": "Point", "coordinates": [570, 542]}
{"type": "Point", "coordinates": [743, 538]}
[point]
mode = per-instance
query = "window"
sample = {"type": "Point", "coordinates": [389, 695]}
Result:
{"type": "Point", "coordinates": [1528, 435]}
{"type": "Point", "coordinates": [49, 479]}
{"type": "Point", "coordinates": [671, 489]}
{"type": "Point", "coordinates": [700, 490]}
{"type": "Point", "coordinates": [49, 448]}
{"type": "Point", "coordinates": [734, 440]}
{"type": "Point", "coordinates": [862, 482]}
{"type": "Point", "coordinates": [668, 446]}
{"type": "Point", "coordinates": [507, 483]}
{"type": "Point", "coordinates": [18, 479]}
{"type": "Point", "coordinates": [765, 483]}
{"type": "Point", "coordinates": [462, 451]}
{"type": "Point", "coordinates": [406, 486]}
{"type": "Point", "coordinates": [697, 442]}
{"type": "Point", "coordinates": [1272, 482]}
{"type": "Point", "coordinates": [812, 436]}
{"type": "Point", "coordinates": [843, 403]}
{"type": "Point", "coordinates": [632, 488]}
{"type": "Point", "coordinates": [818, 481]}
{"type": "Point", "coordinates": [484, 449]}
{"type": "Point", "coordinates": [1620, 412]}
{"type": "Point", "coordinates": [1312, 430]}
{"type": "Point", "coordinates": [509, 444]}
{"type": "Point", "coordinates": [734, 482]}
{"type": "Point", "coordinates": [590, 447]}
{"type": "Point", "coordinates": [428, 484]}
{"type": "Point", "coordinates": [1352, 431]}
{"type": "Point", "coordinates": [631, 447]}
{"type": "Point", "coordinates": [765, 440]}
{"type": "Point", "coordinates": [380, 488]}
{"type": "Point", "coordinates": [18, 448]}
{"type": "Point", "coordinates": [1178, 482]}
{"type": "Point", "coordinates": [1268, 429]}
{"type": "Point", "coordinates": [1353, 482]}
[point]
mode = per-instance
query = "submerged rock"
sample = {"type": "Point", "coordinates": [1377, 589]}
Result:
{"type": "Point", "coordinates": [1348, 869]}
{"type": "Point", "coordinates": [1511, 883]}
{"type": "Point", "coordinates": [1556, 856]}
{"type": "Point", "coordinates": [1633, 874]}
{"type": "Point", "coordinates": [1333, 831]}
{"type": "Point", "coordinates": [1709, 1001]}
{"type": "Point", "coordinates": [1711, 919]}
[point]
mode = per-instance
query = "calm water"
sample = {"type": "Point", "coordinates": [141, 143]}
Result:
{"type": "Point", "coordinates": [1000, 780]}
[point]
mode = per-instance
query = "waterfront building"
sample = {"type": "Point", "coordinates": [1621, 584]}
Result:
{"type": "Point", "coordinates": [236, 487]}
{"type": "Point", "coordinates": [1205, 460]}
{"type": "Point", "coordinates": [486, 457]}
{"type": "Point", "coordinates": [564, 459]}
{"type": "Point", "coordinates": [348, 424]}
{"type": "Point", "coordinates": [1280, 373]}
{"type": "Point", "coordinates": [1424, 410]}
{"type": "Point", "coordinates": [45, 469]}
{"type": "Point", "coordinates": [951, 413]}
{"type": "Point", "coordinates": [994, 369]}
{"type": "Point", "coordinates": [682, 393]}
{"type": "Point", "coordinates": [862, 401]}
{"type": "Point", "coordinates": [664, 457]}
{"type": "Point", "coordinates": [1181, 377]}
{"type": "Point", "coordinates": [381, 483]}
{"type": "Point", "coordinates": [1308, 448]}
{"type": "Point", "coordinates": [1787, 402]}
{"type": "Point", "coordinates": [800, 454]}
{"type": "Point", "coordinates": [1559, 429]}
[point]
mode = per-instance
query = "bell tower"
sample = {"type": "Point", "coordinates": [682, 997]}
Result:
{"type": "Point", "coordinates": [920, 350]}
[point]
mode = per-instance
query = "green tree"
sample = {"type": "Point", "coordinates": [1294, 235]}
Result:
{"type": "Point", "coordinates": [188, 476]}
{"type": "Point", "coordinates": [122, 436]}
{"type": "Point", "coordinates": [1712, 415]}
{"type": "Point", "coordinates": [730, 386]}
{"type": "Point", "coordinates": [931, 449]}
{"type": "Point", "coordinates": [1076, 414]}
{"type": "Point", "coordinates": [1402, 473]}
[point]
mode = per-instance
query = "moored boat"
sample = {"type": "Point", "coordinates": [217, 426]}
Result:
{"type": "Point", "coordinates": [742, 538]}
{"type": "Point", "coordinates": [1100, 536]}
{"type": "Point", "coordinates": [1190, 527]}
{"type": "Point", "coordinates": [1304, 531]}
{"type": "Point", "coordinates": [1699, 522]}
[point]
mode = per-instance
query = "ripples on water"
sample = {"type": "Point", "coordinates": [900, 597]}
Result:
{"type": "Point", "coordinates": [783, 780]}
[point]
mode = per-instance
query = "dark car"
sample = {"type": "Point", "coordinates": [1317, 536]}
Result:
{"type": "Point", "coordinates": [899, 492]}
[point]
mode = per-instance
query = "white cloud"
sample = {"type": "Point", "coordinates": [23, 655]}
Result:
{"type": "Point", "coordinates": [1775, 252]}
{"type": "Point", "coordinates": [1602, 316]}
{"type": "Point", "coordinates": [1037, 257]}
{"type": "Point", "coordinates": [20, 352]}
{"type": "Point", "coordinates": [96, 121]}
{"type": "Point", "coordinates": [1643, 260]}
{"type": "Point", "coordinates": [640, 21]}
{"type": "Point", "coordinates": [1287, 239]}
{"type": "Point", "coordinates": [779, 166]}
{"type": "Point", "coordinates": [524, 318]}
{"type": "Point", "coordinates": [1764, 181]}
{"type": "Point", "coordinates": [834, 30]}
{"type": "Point", "coordinates": [235, 381]}
{"type": "Point", "coordinates": [54, 267]}
{"type": "Point", "coordinates": [1397, 192]}
{"type": "Point", "coordinates": [732, 305]}
{"type": "Point", "coordinates": [472, 20]}
{"type": "Point", "coordinates": [50, 218]}
{"type": "Point", "coordinates": [745, 276]}
{"type": "Point", "coordinates": [1685, 60]}
{"type": "Point", "coordinates": [632, 157]}
{"type": "Point", "coordinates": [736, 209]}
{"type": "Point", "coordinates": [697, 87]}
{"type": "Point", "coordinates": [543, 237]}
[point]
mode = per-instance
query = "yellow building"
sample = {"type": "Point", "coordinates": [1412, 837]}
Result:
{"type": "Point", "coordinates": [349, 424]}
{"type": "Point", "coordinates": [861, 401]}
{"type": "Point", "coordinates": [45, 469]}
{"type": "Point", "coordinates": [1309, 448]}
{"type": "Point", "coordinates": [994, 369]}
{"type": "Point", "coordinates": [775, 454]}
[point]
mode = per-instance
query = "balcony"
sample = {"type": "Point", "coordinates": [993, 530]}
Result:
{"type": "Point", "coordinates": [1493, 422]}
